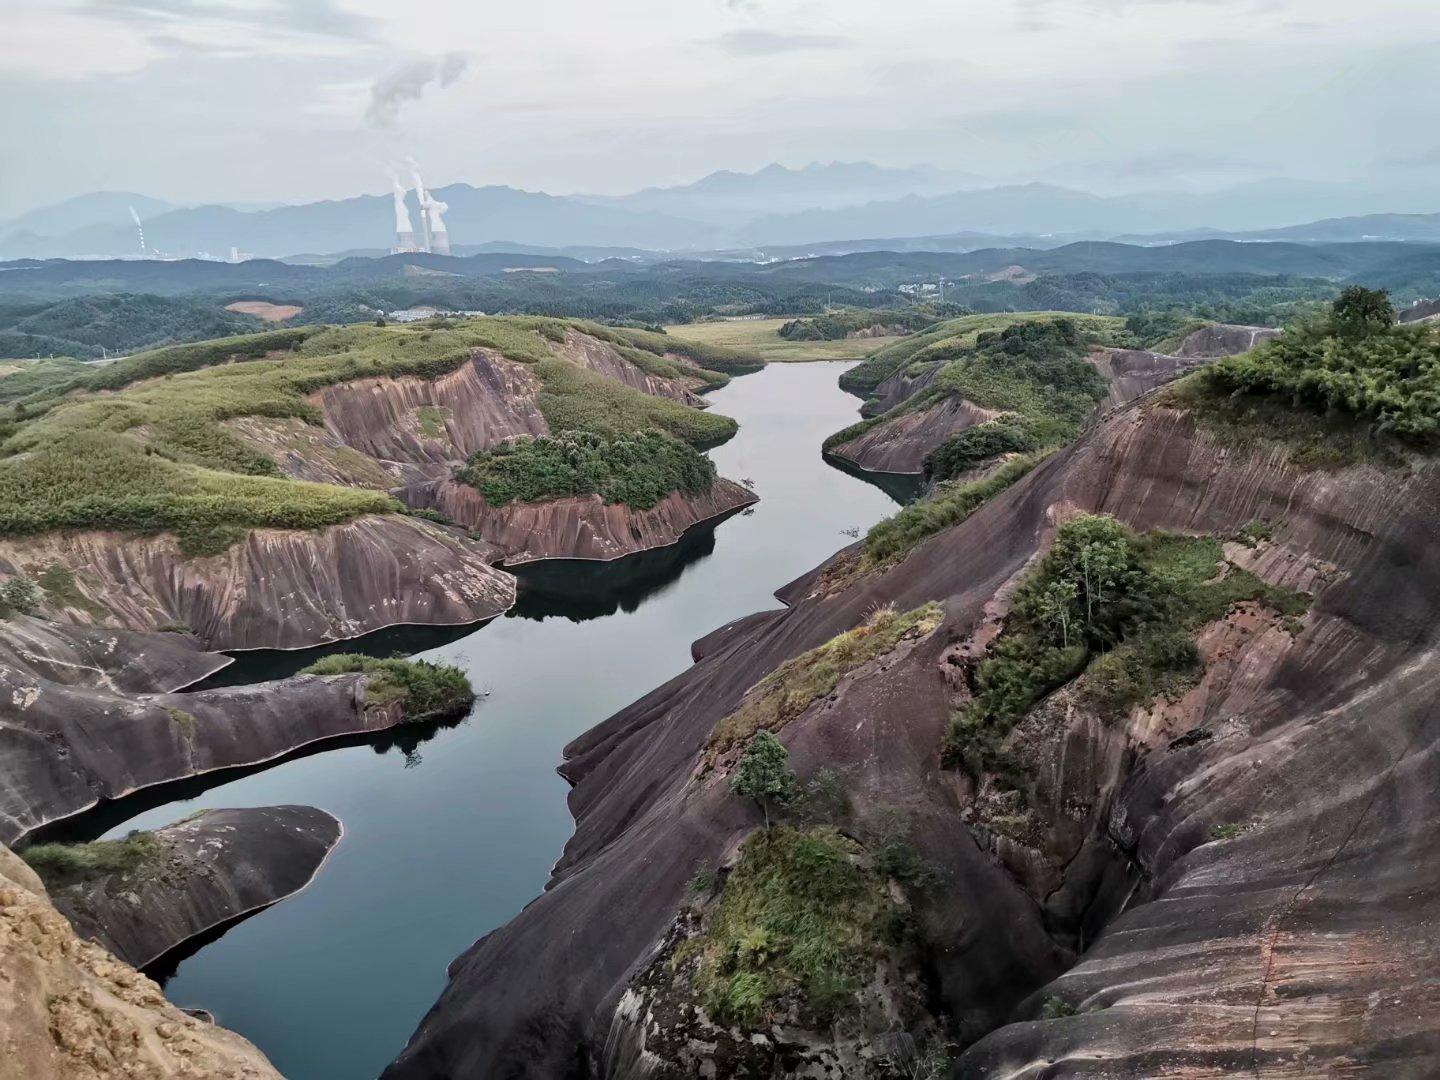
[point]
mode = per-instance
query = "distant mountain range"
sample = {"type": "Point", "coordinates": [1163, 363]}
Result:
{"type": "Point", "coordinates": [812, 210]}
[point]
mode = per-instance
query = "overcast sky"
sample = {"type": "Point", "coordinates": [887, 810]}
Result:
{"type": "Point", "coordinates": [211, 100]}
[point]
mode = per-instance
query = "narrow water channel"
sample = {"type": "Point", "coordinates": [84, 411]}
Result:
{"type": "Point", "coordinates": [447, 838]}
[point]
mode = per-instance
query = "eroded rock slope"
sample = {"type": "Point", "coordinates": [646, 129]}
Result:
{"type": "Point", "coordinates": [1241, 871]}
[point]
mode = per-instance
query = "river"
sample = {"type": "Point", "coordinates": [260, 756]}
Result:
{"type": "Point", "coordinates": [449, 836]}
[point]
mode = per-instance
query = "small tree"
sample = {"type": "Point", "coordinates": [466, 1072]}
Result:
{"type": "Point", "coordinates": [1359, 312]}
{"type": "Point", "coordinates": [18, 596]}
{"type": "Point", "coordinates": [764, 773]}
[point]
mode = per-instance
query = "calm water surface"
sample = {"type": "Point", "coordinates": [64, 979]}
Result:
{"type": "Point", "coordinates": [447, 837]}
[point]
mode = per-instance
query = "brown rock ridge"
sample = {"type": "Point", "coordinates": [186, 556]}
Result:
{"type": "Point", "coordinates": [1294, 942]}
{"type": "Point", "coordinates": [276, 589]}
{"type": "Point", "coordinates": [581, 527]}
{"type": "Point", "coordinates": [71, 1011]}
{"type": "Point", "coordinates": [205, 870]}
{"type": "Point", "coordinates": [64, 747]}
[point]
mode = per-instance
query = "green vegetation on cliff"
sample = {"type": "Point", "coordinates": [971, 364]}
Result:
{"type": "Point", "coordinates": [1355, 362]}
{"type": "Point", "coordinates": [426, 691]}
{"type": "Point", "coordinates": [637, 470]}
{"type": "Point", "coordinates": [155, 454]}
{"type": "Point", "coordinates": [789, 690]}
{"type": "Point", "coordinates": [1035, 372]}
{"type": "Point", "coordinates": [952, 339]}
{"type": "Point", "coordinates": [64, 864]}
{"type": "Point", "coordinates": [804, 912]}
{"type": "Point", "coordinates": [1127, 606]}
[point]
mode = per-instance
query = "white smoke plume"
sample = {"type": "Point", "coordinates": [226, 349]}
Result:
{"type": "Point", "coordinates": [431, 206]}
{"type": "Point", "coordinates": [402, 212]}
{"type": "Point", "coordinates": [408, 83]}
{"type": "Point", "coordinates": [139, 227]}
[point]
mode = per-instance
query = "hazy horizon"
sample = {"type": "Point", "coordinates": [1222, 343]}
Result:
{"type": "Point", "coordinates": [221, 101]}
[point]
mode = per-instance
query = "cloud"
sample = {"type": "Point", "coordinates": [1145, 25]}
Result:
{"type": "Point", "coordinates": [768, 42]}
{"type": "Point", "coordinates": [408, 83]}
{"type": "Point", "coordinates": [318, 17]}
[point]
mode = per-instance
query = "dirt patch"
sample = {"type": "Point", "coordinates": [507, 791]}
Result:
{"type": "Point", "coordinates": [261, 309]}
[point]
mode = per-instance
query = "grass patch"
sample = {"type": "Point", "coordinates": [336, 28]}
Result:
{"type": "Point", "coordinates": [58, 584]}
{"type": "Point", "coordinates": [66, 864]}
{"type": "Point", "coordinates": [801, 912]}
{"type": "Point", "coordinates": [761, 338]}
{"type": "Point", "coordinates": [425, 690]}
{"type": "Point", "coordinates": [431, 420]}
{"type": "Point", "coordinates": [1119, 607]}
{"type": "Point", "coordinates": [576, 399]}
{"type": "Point", "coordinates": [788, 690]}
{"type": "Point", "coordinates": [638, 470]}
{"type": "Point", "coordinates": [949, 504]}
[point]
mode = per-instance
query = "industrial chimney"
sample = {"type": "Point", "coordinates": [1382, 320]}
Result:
{"type": "Point", "coordinates": [404, 231]}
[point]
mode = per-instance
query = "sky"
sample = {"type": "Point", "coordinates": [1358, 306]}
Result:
{"type": "Point", "coordinates": [294, 100]}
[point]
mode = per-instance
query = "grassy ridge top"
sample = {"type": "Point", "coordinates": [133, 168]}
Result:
{"type": "Point", "coordinates": [152, 453]}
{"type": "Point", "coordinates": [951, 338]}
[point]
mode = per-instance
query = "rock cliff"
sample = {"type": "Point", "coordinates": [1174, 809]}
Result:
{"type": "Point", "coordinates": [71, 1011]}
{"type": "Point", "coordinates": [64, 747]}
{"type": "Point", "coordinates": [201, 872]}
{"type": "Point", "coordinates": [1241, 870]}
{"type": "Point", "coordinates": [276, 589]}
{"type": "Point", "coordinates": [579, 528]}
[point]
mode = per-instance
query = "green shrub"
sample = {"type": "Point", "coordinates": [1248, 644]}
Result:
{"type": "Point", "coordinates": [638, 471]}
{"type": "Point", "coordinates": [801, 911]}
{"type": "Point", "coordinates": [425, 690]}
{"type": "Point", "coordinates": [18, 596]}
{"type": "Point", "coordinates": [967, 449]}
{"type": "Point", "coordinates": [1354, 363]}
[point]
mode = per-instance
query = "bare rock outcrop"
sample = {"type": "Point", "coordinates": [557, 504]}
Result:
{"type": "Point", "coordinates": [204, 871]}
{"type": "Point", "coordinates": [64, 748]}
{"type": "Point", "coordinates": [71, 1011]}
{"type": "Point", "coordinates": [1249, 881]}
{"type": "Point", "coordinates": [277, 588]}
{"type": "Point", "coordinates": [417, 428]}
{"type": "Point", "coordinates": [581, 527]}
{"type": "Point", "coordinates": [900, 445]}
{"type": "Point", "coordinates": [1225, 339]}
{"type": "Point", "coordinates": [101, 657]}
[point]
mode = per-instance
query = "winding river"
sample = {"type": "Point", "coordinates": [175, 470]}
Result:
{"type": "Point", "coordinates": [450, 831]}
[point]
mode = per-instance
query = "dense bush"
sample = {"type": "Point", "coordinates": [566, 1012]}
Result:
{"type": "Point", "coordinates": [18, 596]}
{"type": "Point", "coordinates": [971, 447]}
{"type": "Point", "coordinates": [426, 691]}
{"type": "Point", "coordinates": [1354, 363]}
{"type": "Point", "coordinates": [638, 470]}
